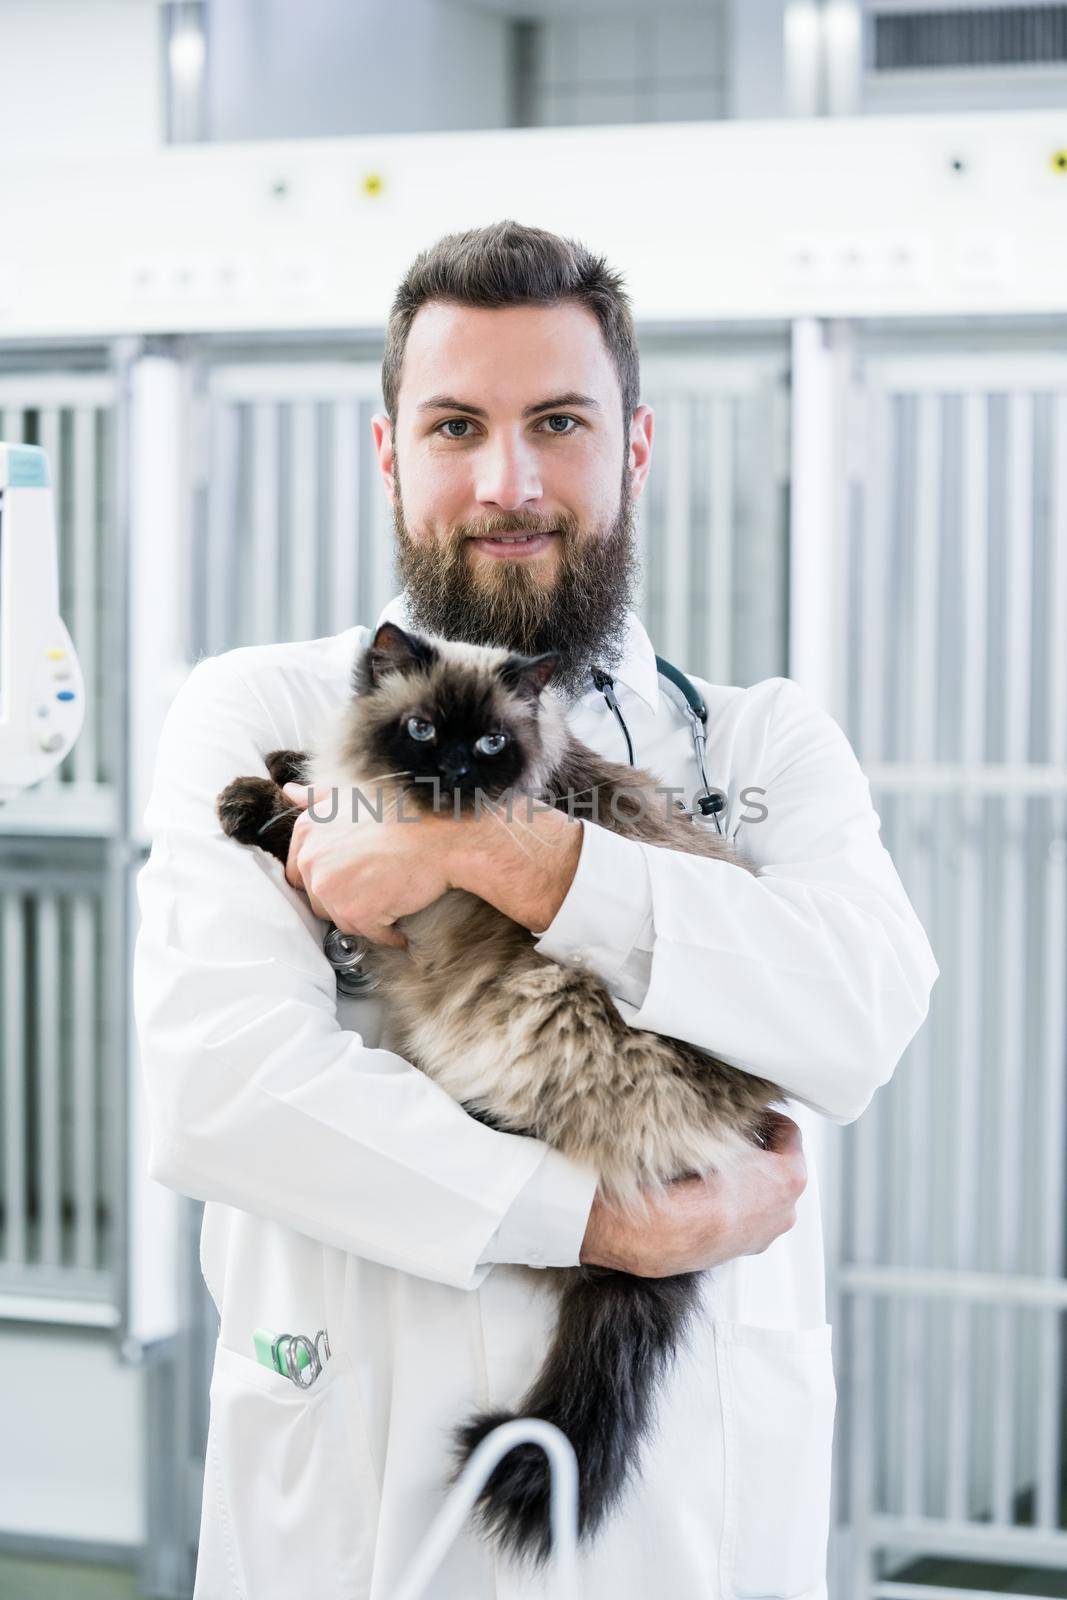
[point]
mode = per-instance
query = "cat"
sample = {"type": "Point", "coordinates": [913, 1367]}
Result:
{"type": "Point", "coordinates": [523, 1043]}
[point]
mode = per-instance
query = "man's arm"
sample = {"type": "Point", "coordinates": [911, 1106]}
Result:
{"type": "Point", "coordinates": [815, 973]}
{"type": "Point", "coordinates": [256, 1096]}
{"type": "Point", "coordinates": [701, 1222]}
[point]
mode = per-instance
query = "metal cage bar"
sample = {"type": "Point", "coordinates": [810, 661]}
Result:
{"type": "Point", "coordinates": [954, 1290]}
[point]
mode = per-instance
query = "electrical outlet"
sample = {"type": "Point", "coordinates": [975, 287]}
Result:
{"type": "Point", "coordinates": [984, 261]}
{"type": "Point", "coordinates": [8, 285]}
{"type": "Point", "coordinates": [188, 280]}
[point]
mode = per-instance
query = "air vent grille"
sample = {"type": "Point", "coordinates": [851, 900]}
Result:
{"type": "Point", "coordinates": [994, 36]}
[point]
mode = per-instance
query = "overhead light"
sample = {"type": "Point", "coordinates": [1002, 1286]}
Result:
{"type": "Point", "coordinates": [186, 51]}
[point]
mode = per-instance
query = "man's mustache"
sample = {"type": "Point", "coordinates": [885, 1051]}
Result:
{"type": "Point", "coordinates": [490, 527]}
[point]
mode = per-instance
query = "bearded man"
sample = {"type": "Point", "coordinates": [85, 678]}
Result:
{"type": "Point", "coordinates": [346, 1191]}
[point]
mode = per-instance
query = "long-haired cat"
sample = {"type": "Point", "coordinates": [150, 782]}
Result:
{"type": "Point", "coordinates": [523, 1043]}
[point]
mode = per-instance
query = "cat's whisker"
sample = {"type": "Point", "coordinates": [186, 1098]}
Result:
{"type": "Point", "coordinates": [279, 817]}
{"type": "Point", "coordinates": [513, 837]}
{"type": "Point", "coordinates": [381, 776]}
{"type": "Point", "coordinates": [526, 828]}
{"type": "Point", "coordinates": [576, 794]}
{"type": "Point", "coordinates": [394, 805]}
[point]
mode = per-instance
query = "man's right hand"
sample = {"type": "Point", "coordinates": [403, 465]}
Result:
{"type": "Point", "coordinates": [701, 1222]}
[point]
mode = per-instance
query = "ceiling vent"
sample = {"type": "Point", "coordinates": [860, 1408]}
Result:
{"type": "Point", "coordinates": [986, 36]}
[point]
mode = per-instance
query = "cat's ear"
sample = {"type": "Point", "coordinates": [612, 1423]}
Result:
{"type": "Point", "coordinates": [391, 650]}
{"type": "Point", "coordinates": [528, 675]}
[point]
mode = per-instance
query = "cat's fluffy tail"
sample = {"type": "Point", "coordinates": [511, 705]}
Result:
{"type": "Point", "coordinates": [614, 1339]}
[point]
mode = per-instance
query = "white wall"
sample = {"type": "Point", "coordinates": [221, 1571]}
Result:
{"type": "Point", "coordinates": [278, 70]}
{"type": "Point", "coordinates": [710, 221]}
{"type": "Point", "coordinates": [72, 1463]}
{"type": "Point", "coordinates": [79, 75]}
{"type": "Point", "coordinates": [667, 64]}
{"type": "Point", "coordinates": [757, 59]}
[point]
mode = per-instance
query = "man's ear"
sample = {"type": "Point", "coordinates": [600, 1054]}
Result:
{"type": "Point", "coordinates": [527, 675]}
{"type": "Point", "coordinates": [639, 449]}
{"type": "Point", "coordinates": [381, 428]}
{"type": "Point", "coordinates": [391, 650]}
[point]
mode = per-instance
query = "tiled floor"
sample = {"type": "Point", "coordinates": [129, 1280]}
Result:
{"type": "Point", "coordinates": [974, 1575]}
{"type": "Point", "coordinates": [58, 1580]}
{"type": "Point", "coordinates": [54, 1580]}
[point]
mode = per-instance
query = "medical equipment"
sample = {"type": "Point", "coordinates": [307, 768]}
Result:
{"type": "Point", "coordinates": [42, 700]}
{"type": "Point", "coordinates": [347, 952]}
{"type": "Point", "coordinates": [563, 1504]}
{"type": "Point", "coordinates": [689, 699]}
{"type": "Point", "coordinates": [292, 1353]}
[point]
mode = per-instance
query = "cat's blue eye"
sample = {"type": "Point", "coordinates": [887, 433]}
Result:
{"type": "Point", "coordinates": [491, 744]}
{"type": "Point", "coordinates": [419, 728]}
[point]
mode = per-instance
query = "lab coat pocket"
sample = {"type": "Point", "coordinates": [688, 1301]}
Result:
{"type": "Point", "coordinates": [290, 1494]}
{"type": "Point", "coordinates": [778, 1403]}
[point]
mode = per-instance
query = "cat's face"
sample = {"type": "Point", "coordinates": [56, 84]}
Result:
{"type": "Point", "coordinates": [460, 720]}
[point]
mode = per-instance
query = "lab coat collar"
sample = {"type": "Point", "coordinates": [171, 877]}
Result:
{"type": "Point", "coordinates": [636, 668]}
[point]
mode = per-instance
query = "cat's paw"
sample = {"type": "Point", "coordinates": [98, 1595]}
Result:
{"type": "Point", "coordinates": [252, 811]}
{"type": "Point", "coordinates": [286, 766]}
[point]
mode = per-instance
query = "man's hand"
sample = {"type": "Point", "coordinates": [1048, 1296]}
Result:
{"type": "Point", "coordinates": [702, 1222]}
{"type": "Point", "coordinates": [362, 875]}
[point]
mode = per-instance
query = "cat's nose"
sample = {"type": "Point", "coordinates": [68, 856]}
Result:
{"type": "Point", "coordinates": [455, 763]}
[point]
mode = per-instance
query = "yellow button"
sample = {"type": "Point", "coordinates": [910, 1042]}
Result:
{"type": "Point", "coordinates": [56, 655]}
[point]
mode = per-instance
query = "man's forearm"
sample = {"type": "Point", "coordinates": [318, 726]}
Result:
{"type": "Point", "coordinates": [522, 865]}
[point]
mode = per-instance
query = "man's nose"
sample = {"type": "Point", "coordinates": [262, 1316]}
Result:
{"type": "Point", "coordinates": [508, 474]}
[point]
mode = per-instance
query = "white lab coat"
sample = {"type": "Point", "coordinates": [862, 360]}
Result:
{"type": "Point", "coordinates": [345, 1190]}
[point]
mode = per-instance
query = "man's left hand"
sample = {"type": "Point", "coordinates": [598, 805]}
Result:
{"type": "Point", "coordinates": [364, 875]}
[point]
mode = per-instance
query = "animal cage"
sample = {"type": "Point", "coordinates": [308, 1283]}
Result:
{"type": "Point", "coordinates": [950, 1255]}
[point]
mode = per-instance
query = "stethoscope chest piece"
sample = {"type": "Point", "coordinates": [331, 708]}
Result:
{"type": "Point", "coordinates": [347, 954]}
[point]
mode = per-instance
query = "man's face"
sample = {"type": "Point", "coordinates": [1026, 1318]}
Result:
{"type": "Point", "coordinates": [510, 422]}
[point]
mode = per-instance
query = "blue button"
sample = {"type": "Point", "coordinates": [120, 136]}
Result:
{"type": "Point", "coordinates": [65, 694]}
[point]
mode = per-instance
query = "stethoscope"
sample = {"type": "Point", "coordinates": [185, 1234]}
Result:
{"type": "Point", "coordinates": [709, 801]}
{"type": "Point", "coordinates": [347, 952]}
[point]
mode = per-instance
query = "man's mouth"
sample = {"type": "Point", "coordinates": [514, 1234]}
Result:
{"type": "Point", "coordinates": [515, 544]}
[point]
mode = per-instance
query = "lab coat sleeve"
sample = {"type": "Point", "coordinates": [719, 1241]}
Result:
{"type": "Point", "coordinates": [256, 1096]}
{"type": "Point", "coordinates": [605, 921]}
{"type": "Point", "coordinates": [815, 973]}
{"type": "Point", "coordinates": [546, 1222]}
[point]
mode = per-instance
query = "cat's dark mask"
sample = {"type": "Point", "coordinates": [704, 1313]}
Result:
{"type": "Point", "coordinates": [404, 678]}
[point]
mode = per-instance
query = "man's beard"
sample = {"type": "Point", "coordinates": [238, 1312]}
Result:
{"type": "Point", "coordinates": [581, 614]}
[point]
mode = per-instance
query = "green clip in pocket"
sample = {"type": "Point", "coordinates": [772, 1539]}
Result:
{"type": "Point", "coordinates": [290, 1354]}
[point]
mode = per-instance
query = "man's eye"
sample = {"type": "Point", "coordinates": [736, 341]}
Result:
{"type": "Point", "coordinates": [419, 728]}
{"type": "Point", "coordinates": [456, 427]}
{"type": "Point", "coordinates": [491, 744]}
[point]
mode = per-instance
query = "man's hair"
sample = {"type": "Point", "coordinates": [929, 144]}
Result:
{"type": "Point", "coordinates": [509, 264]}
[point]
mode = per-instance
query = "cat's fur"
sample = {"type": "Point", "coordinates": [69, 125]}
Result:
{"type": "Point", "coordinates": [524, 1043]}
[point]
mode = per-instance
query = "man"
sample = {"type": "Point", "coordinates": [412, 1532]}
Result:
{"type": "Point", "coordinates": [345, 1190]}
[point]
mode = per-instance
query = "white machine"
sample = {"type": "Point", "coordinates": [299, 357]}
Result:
{"type": "Point", "coordinates": [42, 697]}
